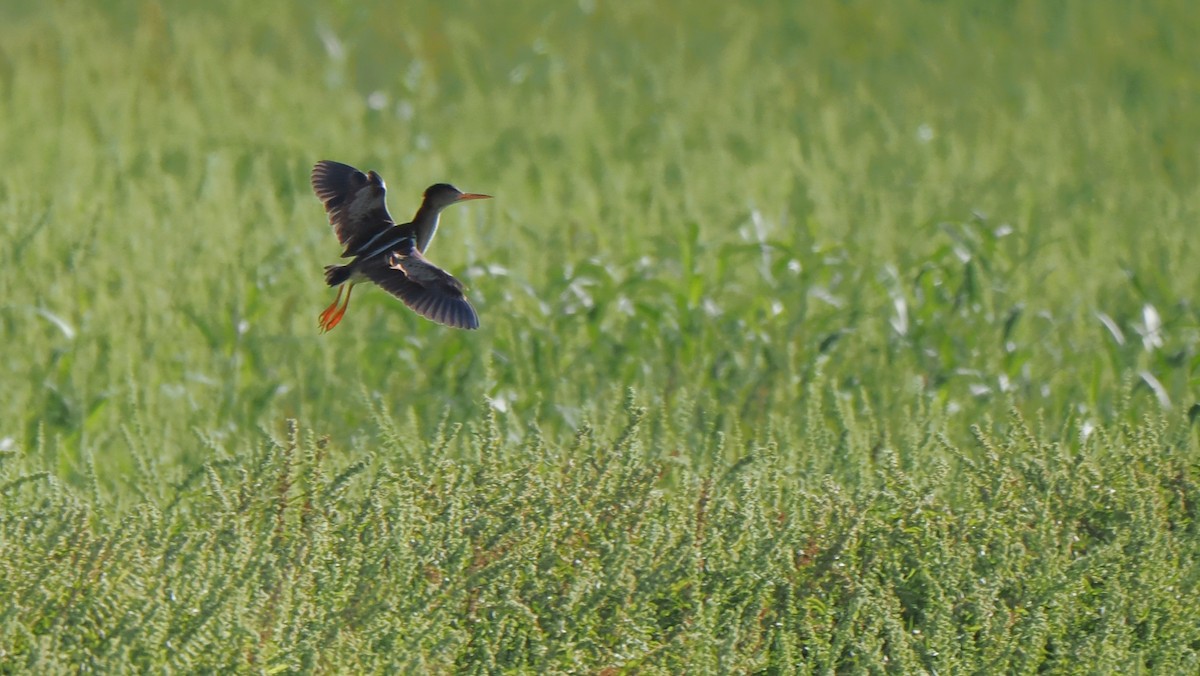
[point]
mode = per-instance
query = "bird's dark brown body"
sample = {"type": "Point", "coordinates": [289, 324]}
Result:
{"type": "Point", "coordinates": [389, 254]}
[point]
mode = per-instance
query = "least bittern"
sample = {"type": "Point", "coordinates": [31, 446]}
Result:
{"type": "Point", "coordinates": [390, 255]}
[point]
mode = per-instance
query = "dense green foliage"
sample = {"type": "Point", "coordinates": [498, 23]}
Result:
{"type": "Point", "coordinates": [766, 291]}
{"type": "Point", "coordinates": [558, 556]}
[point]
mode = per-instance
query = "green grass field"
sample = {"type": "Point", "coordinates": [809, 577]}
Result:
{"type": "Point", "coordinates": [822, 337]}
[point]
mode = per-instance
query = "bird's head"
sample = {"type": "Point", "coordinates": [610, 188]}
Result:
{"type": "Point", "coordinates": [441, 195]}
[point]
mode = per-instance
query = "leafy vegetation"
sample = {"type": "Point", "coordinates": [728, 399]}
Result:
{"type": "Point", "coordinates": [816, 336]}
{"type": "Point", "coordinates": [546, 556]}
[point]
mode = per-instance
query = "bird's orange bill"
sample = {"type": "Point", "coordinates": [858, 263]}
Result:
{"type": "Point", "coordinates": [333, 314]}
{"type": "Point", "coordinates": [473, 196]}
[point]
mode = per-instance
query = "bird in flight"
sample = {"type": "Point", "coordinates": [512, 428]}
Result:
{"type": "Point", "coordinates": [390, 255]}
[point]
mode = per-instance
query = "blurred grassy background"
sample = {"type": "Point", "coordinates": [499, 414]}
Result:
{"type": "Point", "coordinates": [935, 204]}
{"type": "Point", "coordinates": [825, 243]}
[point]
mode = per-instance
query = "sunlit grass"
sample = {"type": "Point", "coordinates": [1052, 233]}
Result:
{"type": "Point", "coordinates": [676, 214]}
{"type": "Point", "coordinates": [928, 213]}
{"type": "Point", "coordinates": [1018, 554]}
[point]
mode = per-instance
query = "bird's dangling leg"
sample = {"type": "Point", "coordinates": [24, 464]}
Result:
{"type": "Point", "coordinates": [328, 322]}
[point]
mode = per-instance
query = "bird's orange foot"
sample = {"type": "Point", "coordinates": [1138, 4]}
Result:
{"type": "Point", "coordinates": [323, 320]}
{"type": "Point", "coordinates": [333, 320]}
{"type": "Point", "coordinates": [333, 314]}
{"type": "Point", "coordinates": [330, 321]}
{"type": "Point", "coordinates": [329, 312]}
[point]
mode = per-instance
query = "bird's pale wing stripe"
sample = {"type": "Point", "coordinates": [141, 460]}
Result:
{"type": "Point", "coordinates": [372, 241]}
{"type": "Point", "coordinates": [391, 244]}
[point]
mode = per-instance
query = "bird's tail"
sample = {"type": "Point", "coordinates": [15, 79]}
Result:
{"type": "Point", "coordinates": [336, 274]}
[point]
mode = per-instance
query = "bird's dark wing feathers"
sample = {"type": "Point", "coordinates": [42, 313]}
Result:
{"type": "Point", "coordinates": [429, 290]}
{"type": "Point", "coordinates": [356, 203]}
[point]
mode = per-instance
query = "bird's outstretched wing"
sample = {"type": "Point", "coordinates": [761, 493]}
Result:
{"type": "Point", "coordinates": [429, 290]}
{"type": "Point", "coordinates": [355, 202]}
